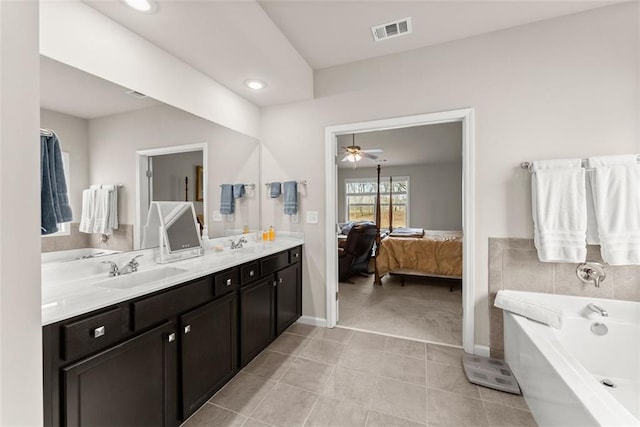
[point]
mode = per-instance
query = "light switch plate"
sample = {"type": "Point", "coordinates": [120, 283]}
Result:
{"type": "Point", "coordinates": [217, 216]}
{"type": "Point", "coordinates": [312, 217]}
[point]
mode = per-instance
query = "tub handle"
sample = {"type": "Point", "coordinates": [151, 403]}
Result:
{"type": "Point", "coordinates": [591, 272]}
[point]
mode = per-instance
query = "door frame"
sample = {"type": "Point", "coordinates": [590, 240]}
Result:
{"type": "Point", "coordinates": [466, 117]}
{"type": "Point", "coordinates": [142, 157]}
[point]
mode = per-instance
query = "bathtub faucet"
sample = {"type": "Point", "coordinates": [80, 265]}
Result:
{"type": "Point", "coordinates": [597, 309]}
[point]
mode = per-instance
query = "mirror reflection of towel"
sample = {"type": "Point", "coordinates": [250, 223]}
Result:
{"type": "Point", "coordinates": [227, 204]}
{"type": "Point", "coordinates": [238, 191]}
{"type": "Point", "coordinates": [290, 197]}
{"type": "Point", "coordinates": [274, 190]}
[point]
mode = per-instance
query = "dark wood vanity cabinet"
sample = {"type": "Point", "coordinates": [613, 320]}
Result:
{"type": "Point", "coordinates": [154, 360]}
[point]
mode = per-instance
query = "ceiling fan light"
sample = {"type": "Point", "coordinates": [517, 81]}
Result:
{"type": "Point", "coordinates": [358, 157]}
{"type": "Point", "coordinates": [141, 5]}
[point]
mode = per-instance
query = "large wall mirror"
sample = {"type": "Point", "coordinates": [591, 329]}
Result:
{"type": "Point", "coordinates": [113, 137]}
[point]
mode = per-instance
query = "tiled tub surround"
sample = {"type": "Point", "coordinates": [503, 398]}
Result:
{"type": "Point", "coordinates": [514, 264]}
{"type": "Point", "coordinates": [337, 377]}
{"type": "Point", "coordinates": [120, 240]}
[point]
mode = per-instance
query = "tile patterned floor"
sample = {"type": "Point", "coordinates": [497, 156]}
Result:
{"type": "Point", "coordinates": [423, 309]}
{"type": "Point", "coordinates": [338, 377]}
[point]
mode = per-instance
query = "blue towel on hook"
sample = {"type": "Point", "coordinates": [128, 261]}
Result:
{"type": "Point", "coordinates": [290, 197]}
{"type": "Point", "coordinates": [227, 204]}
{"type": "Point", "coordinates": [54, 199]}
{"type": "Point", "coordinates": [238, 191]}
{"type": "Point", "coordinates": [274, 190]}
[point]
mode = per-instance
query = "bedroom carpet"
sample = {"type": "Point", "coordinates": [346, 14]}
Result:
{"type": "Point", "coordinates": [423, 309]}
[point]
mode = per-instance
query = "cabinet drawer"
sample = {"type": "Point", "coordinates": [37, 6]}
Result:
{"type": "Point", "coordinates": [274, 263]}
{"type": "Point", "coordinates": [151, 310]}
{"type": "Point", "coordinates": [295, 255]}
{"type": "Point", "coordinates": [227, 281]}
{"type": "Point", "coordinates": [249, 272]}
{"type": "Point", "coordinates": [91, 334]}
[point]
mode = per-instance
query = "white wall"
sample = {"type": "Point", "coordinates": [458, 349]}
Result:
{"type": "Point", "coordinates": [93, 43]}
{"type": "Point", "coordinates": [73, 133]}
{"type": "Point", "coordinates": [566, 87]}
{"type": "Point", "coordinates": [169, 171]}
{"type": "Point", "coordinates": [435, 193]}
{"type": "Point", "coordinates": [232, 157]}
{"type": "Point", "coordinates": [20, 312]}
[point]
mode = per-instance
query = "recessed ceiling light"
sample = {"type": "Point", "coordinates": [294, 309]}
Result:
{"type": "Point", "coordinates": [142, 5]}
{"type": "Point", "coordinates": [255, 84]}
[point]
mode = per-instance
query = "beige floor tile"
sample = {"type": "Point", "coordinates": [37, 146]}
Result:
{"type": "Point", "coordinates": [211, 415]}
{"type": "Point", "coordinates": [269, 364]}
{"type": "Point", "coordinates": [251, 422]}
{"type": "Point", "coordinates": [406, 347]}
{"type": "Point", "coordinates": [351, 386]}
{"type": "Point", "coordinates": [243, 393]}
{"type": "Point", "coordinates": [400, 399]}
{"type": "Point", "coordinates": [367, 341]}
{"type": "Point", "coordinates": [361, 360]}
{"type": "Point", "coordinates": [302, 329]}
{"type": "Point", "coordinates": [451, 379]}
{"type": "Point", "coordinates": [289, 343]}
{"type": "Point", "coordinates": [323, 351]}
{"type": "Point", "coordinates": [502, 398]}
{"type": "Point", "coordinates": [378, 419]}
{"type": "Point", "coordinates": [340, 335]}
{"type": "Point", "coordinates": [501, 416]}
{"type": "Point", "coordinates": [443, 354]}
{"type": "Point", "coordinates": [454, 410]}
{"type": "Point", "coordinates": [308, 374]}
{"type": "Point", "coordinates": [334, 412]}
{"type": "Point", "coordinates": [404, 368]}
{"type": "Point", "coordinates": [285, 406]}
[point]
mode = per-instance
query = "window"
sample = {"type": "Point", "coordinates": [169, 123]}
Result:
{"type": "Point", "coordinates": [361, 200]}
{"type": "Point", "coordinates": [64, 229]}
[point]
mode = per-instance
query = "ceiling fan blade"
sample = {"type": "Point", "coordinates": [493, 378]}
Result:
{"type": "Point", "coordinates": [372, 150]}
{"type": "Point", "coordinates": [368, 156]}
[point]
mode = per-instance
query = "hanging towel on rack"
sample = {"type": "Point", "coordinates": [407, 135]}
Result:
{"type": "Point", "coordinates": [86, 220]}
{"type": "Point", "coordinates": [112, 221]}
{"type": "Point", "coordinates": [227, 204]}
{"type": "Point", "coordinates": [274, 190]}
{"type": "Point", "coordinates": [55, 208]}
{"type": "Point", "coordinates": [290, 197]}
{"type": "Point", "coordinates": [616, 200]}
{"type": "Point", "coordinates": [559, 210]}
{"type": "Point", "coordinates": [238, 191]}
{"type": "Point", "coordinates": [99, 209]}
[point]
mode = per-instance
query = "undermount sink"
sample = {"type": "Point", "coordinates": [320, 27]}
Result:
{"type": "Point", "coordinates": [249, 249]}
{"type": "Point", "coordinates": [139, 278]}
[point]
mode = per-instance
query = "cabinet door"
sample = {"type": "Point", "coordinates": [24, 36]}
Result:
{"type": "Point", "coordinates": [209, 355]}
{"type": "Point", "coordinates": [256, 318]}
{"type": "Point", "coordinates": [288, 297]}
{"type": "Point", "coordinates": [132, 383]}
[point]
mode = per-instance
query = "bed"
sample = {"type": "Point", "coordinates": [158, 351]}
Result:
{"type": "Point", "coordinates": [416, 252]}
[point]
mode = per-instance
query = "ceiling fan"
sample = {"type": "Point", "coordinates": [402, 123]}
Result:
{"type": "Point", "coordinates": [353, 153]}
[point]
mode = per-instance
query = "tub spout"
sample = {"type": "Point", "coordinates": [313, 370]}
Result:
{"type": "Point", "coordinates": [597, 309]}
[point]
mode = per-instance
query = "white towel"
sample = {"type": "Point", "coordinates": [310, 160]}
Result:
{"type": "Point", "coordinates": [101, 212]}
{"type": "Point", "coordinates": [86, 220]}
{"type": "Point", "coordinates": [559, 210]}
{"type": "Point", "coordinates": [616, 200]}
{"type": "Point", "coordinates": [511, 301]}
{"type": "Point", "coordinates": [112, 222]}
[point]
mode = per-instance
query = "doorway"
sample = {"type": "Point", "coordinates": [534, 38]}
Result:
{"type": "Point", "coordinates": [176, 173]}
{"type": "Point", "coordinates": [465, 117]}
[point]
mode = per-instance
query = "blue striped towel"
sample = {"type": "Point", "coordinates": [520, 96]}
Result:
{"type": "Point", "coordinates": [227, 204]}
{"type": "Point", "coordinates": [290, 197]}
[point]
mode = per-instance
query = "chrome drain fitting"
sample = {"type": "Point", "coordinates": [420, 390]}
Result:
{"type": "Point", "coordinates": [608, 383]}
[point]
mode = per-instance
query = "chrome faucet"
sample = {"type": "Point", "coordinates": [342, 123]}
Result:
{"type": "Point", "coordinates": [238, 245]}
{"type": "Point", "coordinates": [597, 309]}
{"type": "Point", "coordinates": [130, 267]}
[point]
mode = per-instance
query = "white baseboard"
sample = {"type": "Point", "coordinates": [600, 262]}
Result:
{"type": "Point", "coordinates": [313, 321]}
{"type": "Point", "coordinates": [481, 350]}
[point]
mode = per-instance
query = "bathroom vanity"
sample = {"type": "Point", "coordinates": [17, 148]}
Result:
{"type": "Point", "coordinates": [154, 358]}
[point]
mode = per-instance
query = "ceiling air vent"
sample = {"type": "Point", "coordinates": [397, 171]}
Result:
{"type": "Point", "coordinates": [136, 94]}
{"type": "Point", "coordinates": [392, 29]}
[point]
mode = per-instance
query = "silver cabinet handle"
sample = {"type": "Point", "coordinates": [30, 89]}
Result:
{"type": "Point", "coordinates": [99, 331]}
{"type": "Point", "coordinates": [187, 329]}
{"type": "Point", "coordinates": [228, 282]}
{"type": "Point", "coordinates": [297, 255]}
{"type": "Point", "coordinates": [275, 283]}
{"type": "Point", "coordinates": [280, 280]}
{"type": "Point", "coordinates": [251, 273]}
{"type": "Point", "coordinates": [172, 337]}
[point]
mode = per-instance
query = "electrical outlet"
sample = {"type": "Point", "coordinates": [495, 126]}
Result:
{"type": "Point", "coordinates": [217, 216]}
{"type": "Point", "coordinates": [312, 217]}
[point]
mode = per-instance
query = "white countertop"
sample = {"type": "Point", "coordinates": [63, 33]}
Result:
{"type": "Point", "coordinates": [73, 288]}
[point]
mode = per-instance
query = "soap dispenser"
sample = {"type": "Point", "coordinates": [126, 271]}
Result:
{"type": "Point", "coordinates": [272, 234]}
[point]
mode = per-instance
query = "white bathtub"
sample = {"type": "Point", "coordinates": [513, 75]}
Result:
{"type": "Point", "coordinates": [559, 370]}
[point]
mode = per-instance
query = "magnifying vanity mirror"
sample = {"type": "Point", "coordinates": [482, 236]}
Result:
{"type": "Point", "coordinates": [152, 151]}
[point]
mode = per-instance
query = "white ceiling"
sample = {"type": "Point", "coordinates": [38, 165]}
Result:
{"type": "Point", "coordinates": [71, 91]}
{"type": "Point", "coordinates": [283, 41]}
{"type": "Point", "coordinates": [418, 145]}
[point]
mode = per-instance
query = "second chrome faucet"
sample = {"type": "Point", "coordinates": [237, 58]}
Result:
{"type": "Point", "coordinates": [130, 267]}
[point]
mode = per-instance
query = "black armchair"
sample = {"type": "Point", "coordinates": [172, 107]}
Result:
{"type": "Point", "coordinates": [354, 255]}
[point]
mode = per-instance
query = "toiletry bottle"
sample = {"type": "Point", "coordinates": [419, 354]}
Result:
{"type": "Point", "coordinates": [272, 234]}
{"type": "Point", "coordinates": [265, 236]}
{"type": "Point", "coordinates": [245, 230]}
